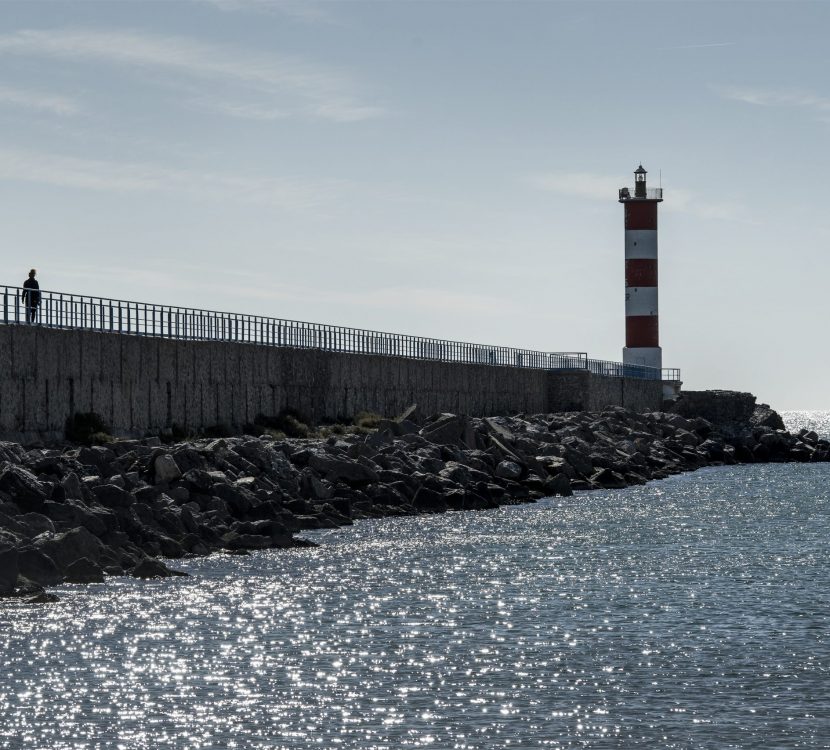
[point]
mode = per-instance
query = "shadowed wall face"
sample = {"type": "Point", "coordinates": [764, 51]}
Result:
{"type": "Point", "coordinates": [143, 385]}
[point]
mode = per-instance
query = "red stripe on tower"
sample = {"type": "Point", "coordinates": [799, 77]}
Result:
{"type": "Point", "coordinates": [642, 346]}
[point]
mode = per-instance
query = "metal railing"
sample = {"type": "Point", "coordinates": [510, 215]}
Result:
{"type": "Point", "coordinates": [61, 310]}
{"type": "Point", "coordinates": [620, 370]}
{"type": "Point", "coordinates": [652, 194]}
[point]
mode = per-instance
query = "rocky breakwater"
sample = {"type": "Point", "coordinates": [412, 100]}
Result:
{"type": "Point", "coordinates": [79, 514]}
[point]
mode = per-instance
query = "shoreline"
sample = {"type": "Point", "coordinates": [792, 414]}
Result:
{"type": "Point", "coordinates": [79, 514]}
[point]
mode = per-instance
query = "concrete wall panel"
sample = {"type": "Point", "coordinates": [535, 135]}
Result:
{"type": "Point", "coordinates": [142, 385]}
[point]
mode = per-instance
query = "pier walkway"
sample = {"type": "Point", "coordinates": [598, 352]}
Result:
{"type": "Point", "coordinates": [74, 311]}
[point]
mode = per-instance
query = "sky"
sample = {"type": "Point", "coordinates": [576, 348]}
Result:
{"type": "Point", "coordinates": [443, 169]}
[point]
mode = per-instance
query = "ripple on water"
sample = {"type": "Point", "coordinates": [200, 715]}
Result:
{"type": "Point", "coordinates": [687, 613]}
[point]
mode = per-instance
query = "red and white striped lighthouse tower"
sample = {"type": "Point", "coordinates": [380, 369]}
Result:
{"type": "Point", "coordinates": [642, 344]}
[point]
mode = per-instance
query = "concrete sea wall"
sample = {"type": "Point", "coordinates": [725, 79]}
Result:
{"type": "Point", "coordinates": [140, 385]}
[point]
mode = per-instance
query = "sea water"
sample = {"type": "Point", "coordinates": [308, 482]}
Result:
{"type": "Point", "coordinates": [692, 612]}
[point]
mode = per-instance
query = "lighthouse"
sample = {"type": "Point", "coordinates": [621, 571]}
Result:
{"type": "Point", "coordinates": [642, 341]}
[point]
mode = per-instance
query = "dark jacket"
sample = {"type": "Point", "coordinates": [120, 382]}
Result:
{"type": "Point", "coordinates": [30, 293]}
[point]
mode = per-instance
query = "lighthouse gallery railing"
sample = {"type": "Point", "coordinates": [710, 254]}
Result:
{"type": "Point", "coordinates": [73, 311]}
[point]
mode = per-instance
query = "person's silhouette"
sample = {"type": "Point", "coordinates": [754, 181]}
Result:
{"type": "Point", "coordinates": [31, 296]}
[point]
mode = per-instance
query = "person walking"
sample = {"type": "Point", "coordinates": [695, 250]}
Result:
{"type": "Point", "coordinates": [31, 296]}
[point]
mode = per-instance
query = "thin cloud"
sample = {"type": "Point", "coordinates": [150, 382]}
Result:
{"type": "Point", "coordinates": [775, 97]}
{"type": "Point", "coordinates": [302, 10]}
{"type": "Point", "coordinates": [92, 174]}
{"type": "Point", "coordinates": [40, 101]}
{"type": "Point", "coordinates": [700, 46]}
{"type": "Point", "coordinates": [311, 89]}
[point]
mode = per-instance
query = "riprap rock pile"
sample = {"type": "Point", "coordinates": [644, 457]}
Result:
{"type": "Point", "coordinates": [77, 514]}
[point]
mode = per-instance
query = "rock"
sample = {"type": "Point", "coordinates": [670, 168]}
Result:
{"type": "Point", "coordinates": [72, 486]}
{"type": "Point", "coordinates": [97, 456]}
{"type": "Point", "coordinates": [69, 546]}
{"type": "Point", "coordinates": [165, 469]}
{"type": "Point", "coordinates": [150, 568]}
{"type": "Point", "coordinates": [499, 430]}
{"type": "Point", "coordinates": [457, 473]}
{"type": "Point", "coordinates": [508, 470]}
{"type": "Point", "coordinates": [36, 523]}
{"type": "Point", "coordinates": [764, 416]}
{"type": "Point", "coordinates": [42, 598]}
{"type": "Point", "coordinates": [446, 429]}
{"type": "Point", "coordinates": [238, 499]}
{"type": "Point", "coordinates": [714, 449]}
{"type": "Point", "coordinates": [234, 541]}
{"type": "Point", "coordinates": [8, 571]}
{"type": "Point", "coordinates": [410, 414]}
{"type": "Point", "coordinates": [581, 463]}
{"type": "Point", "coordinates": [113, 496]}
{"type": "Point", "coordinates": [314, 488]}
{"type": "Point", "coordinates": [23, 487]}
{"type": "Point", "coordinates": [609, 480]}
{"type": "Point", "coordinates": [338, 469]}
{"type": "Point", "coordinates": [200, 480]}
{"type": "Point", "coordinates": [429, 500]}
{"type": "Point", "coordinates": [800, 452]}
{"type": "Point", "coordinates": [558, 485]}
{"type": "Point", "coordinates": [84, 571]}
{"type": "Point", "coordinates": [310, 521]}
{"type": "Point", "coordinates": [37, 567]}
{"type": "Point", "coordinates": [170, 547]}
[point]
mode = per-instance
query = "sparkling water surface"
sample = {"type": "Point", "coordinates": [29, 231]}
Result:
{"type": "Point", "coordinates": [689, 613]}
{"type": "Point", "coordinates": [819, 421]}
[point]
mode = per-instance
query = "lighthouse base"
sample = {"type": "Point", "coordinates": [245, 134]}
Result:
{"type": "Point", "coordinates": [645, 356]}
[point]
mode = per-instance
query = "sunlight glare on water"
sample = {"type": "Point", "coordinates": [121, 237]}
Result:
{"type": "Point", "coordinates": [689, 613]}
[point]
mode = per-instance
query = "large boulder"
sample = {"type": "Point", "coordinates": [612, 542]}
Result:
{"type": "Point", "coordinates": [558, 484]}
{"type": "Point", "coordinates": [23, 487]}
{"type": "Point", "coordinates": [66, 548]}
{"type": "Point", "coordinates": [112, 496]}
{"type": "Point", "coordinates": [765, 416]}
{"type": "Point", "coordinates": [35, 523]}
{"type": "Point", "coordinates": [8, 571]}
{"type": "Point", "coordinates": [72, 514]}
{"type": "Point", "coordinates": [99, 457]}
{"type": "Point", "coordinates": [508, 470]}
{"type": "Point", "coordinates": [165, 469]}
{"type": "Point", "coordinates": [84, 571]}
{"type": "Point", "coordinates": [456, 472]}
{"type": "Point", "coordinates": [609, 479]}
{"type": "Point", "coordinates": [445, 429]}
{"type": "Point", "coordinates": [336, 469]}
{"type": "Point", "coordinates": [429, 500]}
{"type": "Point", "coordinates": [72, 486]}
{"type": "Point", "coordinates": [37, 567]}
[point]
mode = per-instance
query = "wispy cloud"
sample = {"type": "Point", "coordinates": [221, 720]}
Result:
{"type": "Point", "coordinates": [603, 187]}
{"type": "Point", "coordinates": [302, 10]}
{"type": "Point", "coordinates": [706, 45]}
{"type": "Point", "coordinates": [38, 100]}
{"type": "Point", "coordinates": [302, 87]}
{"type": "Point", "coordinates": [92, 174]}
{"type": "Point", "coordinates": [776, 97]}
